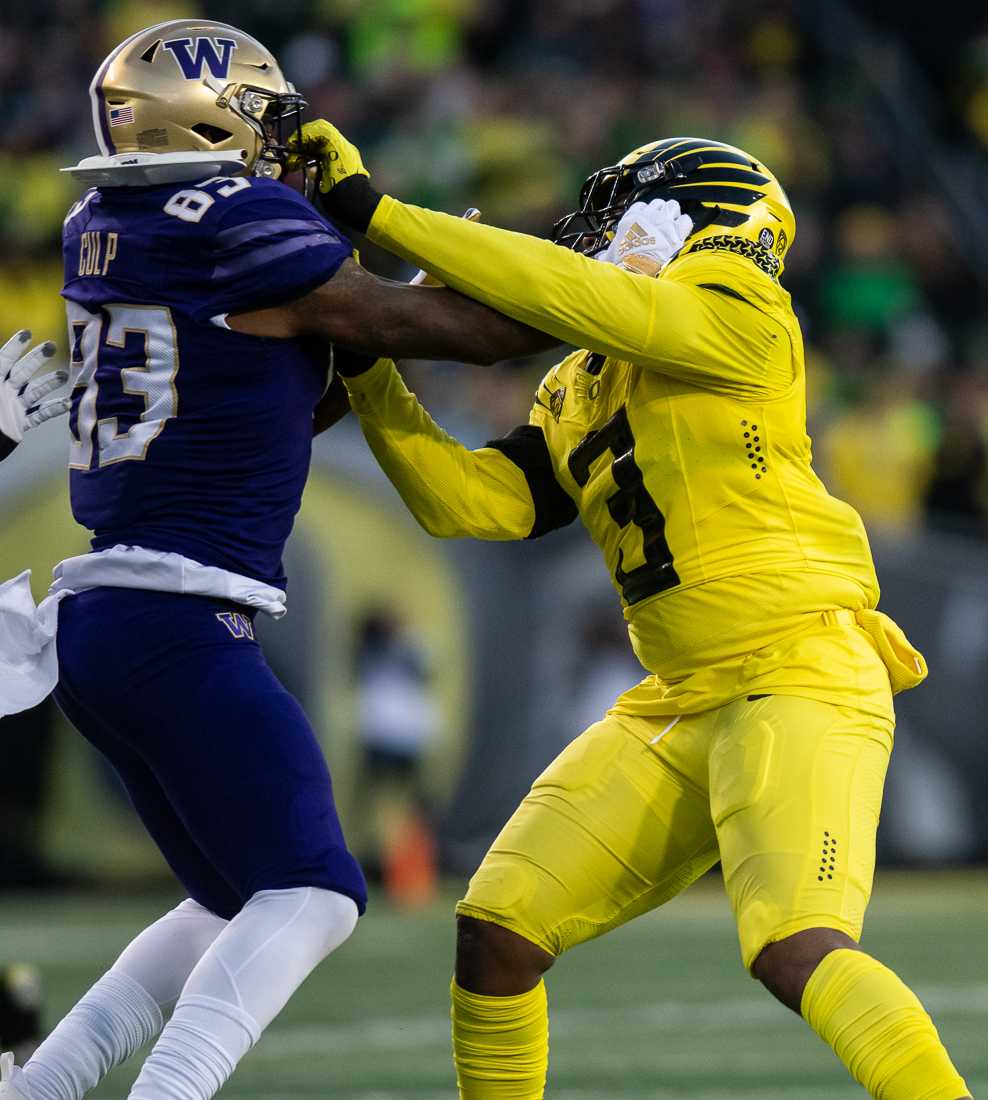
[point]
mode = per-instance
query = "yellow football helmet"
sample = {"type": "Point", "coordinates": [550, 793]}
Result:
{"type": "Point", "coordinates": [735, 202]}
{"type": "Point", "coordinates": [179, 99]}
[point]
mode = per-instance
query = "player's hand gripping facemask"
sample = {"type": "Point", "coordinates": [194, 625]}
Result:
{"type": "Point", "coordinates": [647, 237]}
{"type": "Point", "coordinates": [736, 204]}
{"type": "Point", "coordinates": [22, 404]}
{"type": "Point", "coordinates": [345, 192]}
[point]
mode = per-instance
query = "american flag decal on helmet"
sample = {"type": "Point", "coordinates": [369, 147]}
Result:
{"type": "Point", "coordinates": [120, 116]}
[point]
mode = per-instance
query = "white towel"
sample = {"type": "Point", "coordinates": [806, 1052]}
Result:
{"type": "Point", "coordinates": [28, 661]}
{"type": "Point", "coordinates": [28, 654]}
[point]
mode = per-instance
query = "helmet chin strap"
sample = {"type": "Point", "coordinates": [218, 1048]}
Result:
{"type": "Point", "coordinates": [310, 179]}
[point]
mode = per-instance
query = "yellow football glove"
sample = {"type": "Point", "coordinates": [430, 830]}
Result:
{"type": "Point", "coordinates": [345, 192]}
{"type": "Point", "coordinates": [338, 159]}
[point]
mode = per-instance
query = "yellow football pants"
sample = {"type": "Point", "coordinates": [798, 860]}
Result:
{"type": "Point", "coordinates": [785, 791]}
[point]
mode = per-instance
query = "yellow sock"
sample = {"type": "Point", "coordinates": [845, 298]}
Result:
{"type": "Point", "coordinates": [879, 1030]}
{"type": "Point", "coordinates": [500, 1044]}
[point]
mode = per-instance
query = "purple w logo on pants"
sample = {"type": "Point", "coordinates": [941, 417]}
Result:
{"type": "Point", "coordinates": [237, 623]}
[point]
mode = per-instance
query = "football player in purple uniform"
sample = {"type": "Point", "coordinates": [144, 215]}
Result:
{"type": "Point", "coordinates": [190, 447]}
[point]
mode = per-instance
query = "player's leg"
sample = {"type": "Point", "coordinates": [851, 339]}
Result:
{"type": "Point", "coordinates": [242, 769]}
{"type": "Point", "coordinates": [610, 830]}
{"type": "Point", "coordinates": [795, 794]}
{"type": "Point", "coordinates": [127, 1007]}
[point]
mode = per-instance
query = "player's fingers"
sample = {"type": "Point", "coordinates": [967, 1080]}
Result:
{"type": "Point", "coordinates": [667, 233]}
{"type": "Point", "coordinates": [57, 406]}
{"type": "Point", "coordinates": [637, 211]}
{"type": "Point", "coordinates": [684, 225]}
{"type": "Point", "coordinates": [13, 349]}
{"type": "Point", "coordinates": [661, 211]}
{"type": "Point", "coordinates": [40, 387]}
{"type": "Point", "coordinates": [654, 210]}
{"type": "Point", "coordinates": [28, 364]}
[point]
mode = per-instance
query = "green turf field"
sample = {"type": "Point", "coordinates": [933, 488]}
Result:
{"type": "Point", "coordinates": [660, 1009]}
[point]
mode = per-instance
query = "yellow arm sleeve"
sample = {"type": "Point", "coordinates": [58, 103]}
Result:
{"type": "Point", "coordinates": [682, 323]}
{"type": "Point", "coordinates": [451, 491]}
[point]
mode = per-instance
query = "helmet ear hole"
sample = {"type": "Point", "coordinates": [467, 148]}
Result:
{"type": "Point", "coordinates": [215, 135]}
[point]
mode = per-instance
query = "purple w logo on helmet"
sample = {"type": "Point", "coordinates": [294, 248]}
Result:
{"type": "Point", "coordinates": [212, 53]}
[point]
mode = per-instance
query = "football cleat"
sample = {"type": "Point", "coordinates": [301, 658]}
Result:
{"type": "Point", "coordinates": [736, 204]}
{"type": "Point", "coordinates": [12, 1083]}
{"type": "Point", "coordinates": [185, 99]}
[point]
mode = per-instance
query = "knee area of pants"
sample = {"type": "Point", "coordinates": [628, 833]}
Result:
{"type": "Point", "coordinates": [319, 916]}
{"type": "Point", "coordinates": [335, 914]}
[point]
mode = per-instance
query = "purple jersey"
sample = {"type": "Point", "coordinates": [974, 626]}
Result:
{"type": "Point", "coordinates": [186, 436]}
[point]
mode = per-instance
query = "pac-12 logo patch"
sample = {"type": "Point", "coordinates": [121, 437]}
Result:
{"type": "Point", "coordinates": [237, 623]}
{"type": "Point", "coordinates": [766, 239]}
{"type": "Point", "coordinates": [193, 55]}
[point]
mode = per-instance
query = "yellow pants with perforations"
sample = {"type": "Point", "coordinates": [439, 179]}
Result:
{"type": "Point", "coordinates": [785, 791]}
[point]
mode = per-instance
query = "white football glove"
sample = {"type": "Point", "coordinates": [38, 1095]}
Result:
{"type": "Point", "coordinates": [21, 400]}
{"type": "Point", "coordinates": [648, 235]}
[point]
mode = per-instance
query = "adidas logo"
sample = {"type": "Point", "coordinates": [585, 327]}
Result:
{"type": "Point", "coordinates": [636, 237]}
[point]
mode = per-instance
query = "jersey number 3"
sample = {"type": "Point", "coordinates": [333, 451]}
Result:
{"type": "Point", "coordinates": [630, 504]}
{"type": "Point", "coordinates": [139, 378]}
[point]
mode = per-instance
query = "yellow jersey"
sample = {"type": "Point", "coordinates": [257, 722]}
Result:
{"type": "Point", "coordinates": [679, 437]}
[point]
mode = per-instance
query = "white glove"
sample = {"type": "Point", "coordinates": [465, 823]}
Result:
{"type": "Point", "coordinates": [21, 400]}
{"type": "Point", "coordinates": [648, 235]}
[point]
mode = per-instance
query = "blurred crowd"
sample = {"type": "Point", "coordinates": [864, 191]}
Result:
{"type": "Point", "coordinates": [507, 105]}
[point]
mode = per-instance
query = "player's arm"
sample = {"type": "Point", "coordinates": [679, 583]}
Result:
{"type": "Point", "coordinates": [23, 389]}
{"type": "Point", "coordinates": [384, 318]}
{"type": "Point", "coordinates": [506, 490]}
{"type": "Point", "coordinates": [695, 332]}
{"type": "Point", "coordinates": [675, 325]}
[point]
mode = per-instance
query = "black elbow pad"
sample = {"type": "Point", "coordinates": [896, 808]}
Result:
{"type": "Point", "coordinates": [526, 447]}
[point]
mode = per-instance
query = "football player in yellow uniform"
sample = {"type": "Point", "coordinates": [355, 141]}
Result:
{"type": "Point", "coordinates": [762, 735]}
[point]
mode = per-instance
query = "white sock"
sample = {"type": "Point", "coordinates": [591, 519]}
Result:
{"type": "Point", "coordinates": [125, 1009]}
{"type": "Point", "coordinates": [241, 983]}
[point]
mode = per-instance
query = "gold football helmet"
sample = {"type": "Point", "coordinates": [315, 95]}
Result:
{"type": "Point", "coordinates": [187, 97]}
{"type": "Point", "coordinates": [735, 202]}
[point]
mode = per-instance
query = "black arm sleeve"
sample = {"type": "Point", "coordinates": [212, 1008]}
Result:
{"type": "Point", "coordinates": [526, 447]}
